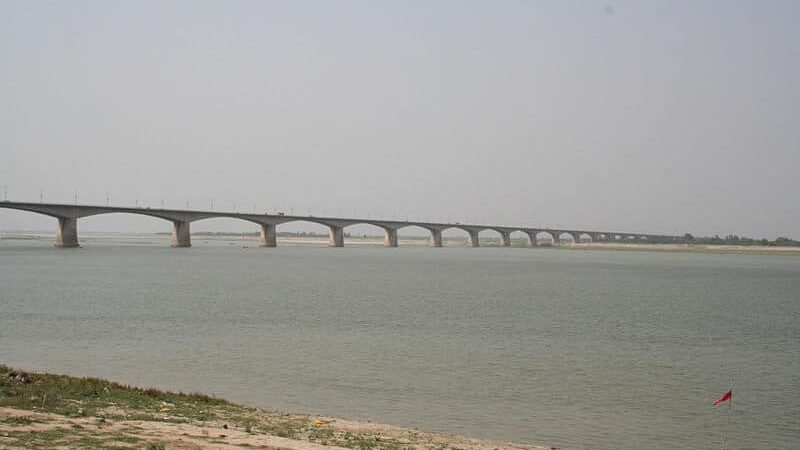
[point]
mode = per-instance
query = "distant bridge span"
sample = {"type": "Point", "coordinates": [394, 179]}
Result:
{"type": "Point", "coordinates": [68, 215]}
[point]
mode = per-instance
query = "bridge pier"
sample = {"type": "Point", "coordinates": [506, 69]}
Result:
{"type": "Point", "coordinates": [268, 236]}
{"type": "Point", "coordinates": [556, 237]}
{"type": "Point", "coordinates": [505, 239]}
{"type": "Point", "coordinates": [390, 240]}
{"type": "Point", "coordinates": [531, 239]}
{"type": "Point", "coordinates": [67, 232]}
{"type": "Point", "coordinates": [181, 236]}
{"type": "Point", "coordinates": [473, 241]}
{"type": "Point", "coordinates": [336, 236]}
{"type": "Point", "coordinates": [436, 238]}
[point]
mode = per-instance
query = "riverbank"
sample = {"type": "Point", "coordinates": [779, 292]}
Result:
{"type": "Point", "coordinates": [40, 410]}
{"type": "Point", "coordinates": [688, 248]}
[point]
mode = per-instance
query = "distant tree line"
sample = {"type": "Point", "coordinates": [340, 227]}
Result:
{"type": "Point", "coordinates": [733, 239]}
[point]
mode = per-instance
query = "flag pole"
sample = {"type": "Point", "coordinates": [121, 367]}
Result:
{"type": "Point", "coordinates": [727, 420]}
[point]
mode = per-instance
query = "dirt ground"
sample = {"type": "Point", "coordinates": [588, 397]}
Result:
{"type": "Point", "coordinates": [27, 429]}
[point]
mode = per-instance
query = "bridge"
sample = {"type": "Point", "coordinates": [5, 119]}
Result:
{"type": "Point", "coordinates": [68, 215]}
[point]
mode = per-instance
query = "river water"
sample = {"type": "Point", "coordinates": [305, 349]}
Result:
{"type": "Point", "coordinates": [574, 349]}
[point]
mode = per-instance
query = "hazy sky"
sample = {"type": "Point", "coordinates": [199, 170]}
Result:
{"type": "Point", "coordinates": [665, 117]}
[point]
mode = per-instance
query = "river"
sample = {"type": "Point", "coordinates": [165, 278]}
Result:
{"type": "Point", "coordinates": [574, 349]}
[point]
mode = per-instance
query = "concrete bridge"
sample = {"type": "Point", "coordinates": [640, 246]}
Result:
{"type": "Point", "coordinates": [68, 215]}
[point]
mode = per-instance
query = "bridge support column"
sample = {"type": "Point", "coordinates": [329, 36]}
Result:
{"type": "Point", "coordinates": [180, 234]}
{"type": "Point", "coordinates": [268, 236]}
{"type": "Point", "coordinates": [336, 236]}
{"type": "Point", "coordinates": [555, 235]}
{"type": "Point", "coordinates": [473, 239]}
{"type": "Point", "coordinates": [505, 239]}
{"type": "Point", "coordinates": [436, 238]}
{"type": "Point", "coordinates": [390, 240]}
{"type": "Point", "coordinates": [67, 233]}
{"type": "Point", "coordinates": [531, 239]}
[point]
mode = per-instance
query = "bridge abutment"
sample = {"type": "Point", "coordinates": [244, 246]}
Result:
{"type": "Point", "coordinates": [390, 240]}
{"type": "Point", "coordinates": [67, 232]}
{"type": "Point", "coordinates": [436, 238]}
{"type": "Point", "coordinates": [268, 236]}
{"type": "Point", "coordinates": [181, 237]}
{"type": "Point", "coordinates": [336, 236]}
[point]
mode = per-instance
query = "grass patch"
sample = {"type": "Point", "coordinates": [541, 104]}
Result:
{"type": "Point", "coordinates": [39, 439]}
{"type": "Point", "coordinates": [18, 421]}
{"type": "Point", "coordinates": [126, 439]}
{"type": "Point", "coordinates": [106, 403]}
{"type": "Point", "coordinates": [359, 442]}
{"type": "Point", "coordinates": [82, 397]}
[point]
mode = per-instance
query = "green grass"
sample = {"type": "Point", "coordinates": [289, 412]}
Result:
{"type": "Point", "coordinates": [108, 402]}
{"type": "Point", "coordinates": [126, 439]}
{"type": "Point", "coordinates": [82, 397]}
{"type": "Point", "coordinates": [18, 421]}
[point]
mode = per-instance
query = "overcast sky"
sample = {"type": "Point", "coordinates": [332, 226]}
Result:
{"type": "Point", "coordinates": [663, 117]}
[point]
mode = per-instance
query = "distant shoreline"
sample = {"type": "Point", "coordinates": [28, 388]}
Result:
{"type": "Point", "coordinates": [689, 248]}
{"type": "Point", "coordinates": [421, 241]}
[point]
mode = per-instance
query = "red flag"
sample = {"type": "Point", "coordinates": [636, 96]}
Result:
{"type": "Point", "coordinates": [725, 397]}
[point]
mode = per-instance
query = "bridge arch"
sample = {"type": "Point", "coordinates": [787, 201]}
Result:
{"type": "Point", "coordinates": [495, 237]}
{"type": "Point", "coordinates": [34, 224]}
{"type": "Point", "coordinates": [520, 238]}
{"type": "Point", "coordinates": [389, 233]}
{"type": "Point", "coordinates": [230, 226]}
{"type": "Point", "coordinates": [472, 239]}
{"type": "Point", "coordinates": [571, 236]}
{"type": "Point", "coordinates": [309, 227]}
{"type": "Point", "coordinates": [417, 232]}
{"type": "Point", "coordinates": [544, 238]}
{"type": "Point", "coordinates": [67, 216]}
{"type": "Point", "coordinates": [557, 237]}
{"type": "Point", "coordinates": [126, 221]}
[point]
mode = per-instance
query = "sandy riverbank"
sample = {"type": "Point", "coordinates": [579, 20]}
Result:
{"type": "Point", "coordinates": [757, 249]}
{"type": "Point", "coordinates": [62, 412]}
